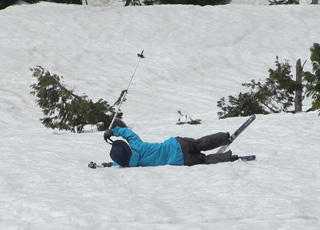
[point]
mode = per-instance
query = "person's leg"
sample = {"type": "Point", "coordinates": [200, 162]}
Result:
{"type": "Point", "coordinates": [220, 157]}
{"type": "Point", "coordinates": [191, 152]}
{"type": "Point", "coordinates": [213, 141]}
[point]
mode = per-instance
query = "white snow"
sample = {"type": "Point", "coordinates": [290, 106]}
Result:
{"type": "Point", "coordinates": [194, 56]}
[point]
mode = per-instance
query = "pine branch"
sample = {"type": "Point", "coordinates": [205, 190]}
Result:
{"type": "Point", "coordinates": [69, 91]}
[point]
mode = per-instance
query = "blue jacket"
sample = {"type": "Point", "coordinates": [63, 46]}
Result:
{"type": "Point", "coordinates": [151, 154]}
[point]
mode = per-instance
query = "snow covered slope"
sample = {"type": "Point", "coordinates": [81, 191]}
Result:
{"type": "Point", "coordinates": [194, 56]}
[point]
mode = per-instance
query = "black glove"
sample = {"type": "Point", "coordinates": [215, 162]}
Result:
{"type": "Point", "coordinates": [107, 134]}
{"type": "Point", "coordinates": [92, 165]}
{"type": "Point", "coordinates": [106, 164]}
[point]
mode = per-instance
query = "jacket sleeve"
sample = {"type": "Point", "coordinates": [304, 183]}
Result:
{"type": "Point", "coordinates": [114, 164]}
{"type": "Point", "coordinates": [127, 134]}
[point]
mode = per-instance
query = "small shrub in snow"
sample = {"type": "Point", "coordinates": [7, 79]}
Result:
{"type": "Point", "coordinates": [186, 119]}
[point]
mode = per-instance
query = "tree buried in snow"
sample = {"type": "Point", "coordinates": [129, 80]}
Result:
{"type": "Point", "coordinates": [65, 110]}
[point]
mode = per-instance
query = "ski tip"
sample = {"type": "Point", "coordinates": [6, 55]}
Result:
{"type": "Point", "coordinates": [248, 158]}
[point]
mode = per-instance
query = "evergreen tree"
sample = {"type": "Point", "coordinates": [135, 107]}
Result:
{"type": "Point", "coordinates": [277, 92]}
{"type": "Point", "coordinates": [187, 2]}
{"type": "Point", "coordinates": [32, 1]}
{"type": "Point", "coordinates": [65, 110]}
{"type": "Point", "coordinates": [313, 79]}
{"type": "Point", "coordinates": [281, 2]}
{"type": "Point", "coordinates": [79, 2]}
{"type": "Point", "coordinates": [274, 95]}
{"type": "Point", "coordinates": [6, 3]}
{"type": "Point", "coordinates": [243, 105]}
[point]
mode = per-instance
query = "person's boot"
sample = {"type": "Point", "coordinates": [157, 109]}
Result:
{"type": "Point", "coordinates": [234, 158]}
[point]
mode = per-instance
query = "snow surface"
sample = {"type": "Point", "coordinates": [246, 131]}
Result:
{"type": "Point", "coordinates": [194, 56]}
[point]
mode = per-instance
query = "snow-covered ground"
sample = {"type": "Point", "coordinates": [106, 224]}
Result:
{"type": "Point", "coordinates": [194, 56]}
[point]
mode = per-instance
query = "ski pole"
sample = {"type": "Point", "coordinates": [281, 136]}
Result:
{"type": "Point", "coordinates": [140, 55]}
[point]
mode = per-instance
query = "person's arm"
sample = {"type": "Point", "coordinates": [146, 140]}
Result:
{"type": "Point", "coordinates": [127, 134]}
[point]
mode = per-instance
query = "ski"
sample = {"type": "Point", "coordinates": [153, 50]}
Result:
{"type": "Point", "coordinates": [238, 132]}
{"type": "Point", "coordinates": [248, 158]}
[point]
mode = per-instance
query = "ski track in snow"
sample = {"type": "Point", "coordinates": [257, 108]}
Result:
{"type": "Point", "coordinates": [194, 56]}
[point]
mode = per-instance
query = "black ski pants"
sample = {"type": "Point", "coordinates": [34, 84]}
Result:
{"type": "Point", "coordinates": [192, 148]}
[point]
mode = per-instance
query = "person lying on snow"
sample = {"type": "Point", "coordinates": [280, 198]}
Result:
{"type": "Point", "coordinates": [174, 151]}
